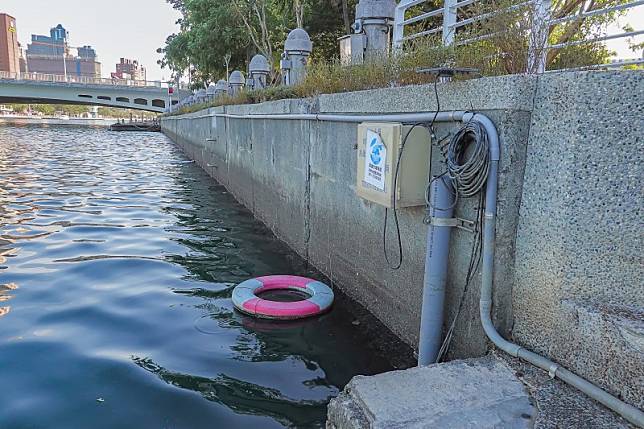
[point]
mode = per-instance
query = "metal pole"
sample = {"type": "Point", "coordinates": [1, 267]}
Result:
{"type": "Point", "coordinates": [64, 64]}
{"type": "Point", "coordinates": [399, 28]}
{"type": "Point", "coordinates": [227, 61]}
{"type": "Point", "coordinates": [449, 21]}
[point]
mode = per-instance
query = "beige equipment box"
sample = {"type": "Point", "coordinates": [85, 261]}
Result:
{"type": "Point", "coordinates": [379, 146]}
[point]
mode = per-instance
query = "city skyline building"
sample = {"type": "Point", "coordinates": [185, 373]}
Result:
{"type": "Point", "coordinates": [9, 46]}
{"type": "Point", "coordinates": [129, 69]}
{"type": "Point", "coordinates": [53, 55]}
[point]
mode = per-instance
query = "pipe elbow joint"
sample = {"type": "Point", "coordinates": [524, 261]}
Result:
{"type": "Point", "coordinates": [493, 135]}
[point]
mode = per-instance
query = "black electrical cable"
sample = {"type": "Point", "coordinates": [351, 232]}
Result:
{"type": "Point", "coordinates": [475, 260]}
{"type": "Point", "coordinates": [394, 196]}
{"type": "Point", "coordinates": [430, 128]}
{"type": "Point", "coordinates": [468, 174]}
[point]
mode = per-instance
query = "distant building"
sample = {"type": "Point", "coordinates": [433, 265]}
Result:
{"type": "Point", "coordinates": [45, 54]}
{"type": "Point", "coordinates": [129, 69]}
{"type": "Point", "coordinates": [9, 48]}
{"type": "Point", "coordinates": [23, 60]}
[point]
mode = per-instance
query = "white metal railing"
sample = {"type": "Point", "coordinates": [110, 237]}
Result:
{"type": "Point", "coordinates": [542, 22]}
{"type": "Point", "coordinates": [86, 80]}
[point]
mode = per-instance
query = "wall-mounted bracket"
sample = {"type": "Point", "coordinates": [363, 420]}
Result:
{"type": "Point", "coordinates": [464, 224]}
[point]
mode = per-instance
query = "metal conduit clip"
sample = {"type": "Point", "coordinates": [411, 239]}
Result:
{"type": "Point", "coordinates": [552, 371]}
{"type": "Point", "coordinates": [464, 224]}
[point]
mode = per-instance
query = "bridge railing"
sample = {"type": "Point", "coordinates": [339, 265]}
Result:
{"type": "Point", "coordinates": [86, 80]}
{"type": "Point", "coordinates": [447, 21]}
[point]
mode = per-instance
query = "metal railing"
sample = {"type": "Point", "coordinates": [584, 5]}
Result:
{"type": "Point", "coordinates": [85, 80]}
{"type": "Point", "coordinates": [542, 22]}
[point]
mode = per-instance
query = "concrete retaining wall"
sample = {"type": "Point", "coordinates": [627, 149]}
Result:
{"type": "Point", "coordinates": [298, 177]}
{"type": "Point", "coordinates": [579, 290]}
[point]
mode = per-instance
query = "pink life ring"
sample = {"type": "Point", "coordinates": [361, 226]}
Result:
{"type": "Point", "coordinates": [246, 299]}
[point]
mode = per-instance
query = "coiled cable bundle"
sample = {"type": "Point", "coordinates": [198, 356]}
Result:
{"type": "Point", "coordinates": [468, 175]}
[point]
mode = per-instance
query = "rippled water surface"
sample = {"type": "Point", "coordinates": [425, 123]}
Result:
{"type": "Point", "coordinates": [117, 262]}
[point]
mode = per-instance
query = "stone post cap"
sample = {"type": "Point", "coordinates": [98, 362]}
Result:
{"type": "Point", "coordinates": [259, 64]}
{"type": "Point", "coordinates": [298, 40]}
{"type": "Point", "coordinates": [237, 78]}
{"type": "Point", "coordinates": [221, 85]}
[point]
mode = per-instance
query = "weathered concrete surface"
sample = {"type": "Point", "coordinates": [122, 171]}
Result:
{"type": "Point", "coordinates": [495, 391]}
{"type": "Point", "coordinates": [579, 294]}
{"type": "Point", "coordinates": [298, 177]}
{"type": "Point", "coordinates": [560, 405]}
{"type": "Point", "coordinates": [576, 293]}
{"type": "Point", "coordinates": [478, 393]}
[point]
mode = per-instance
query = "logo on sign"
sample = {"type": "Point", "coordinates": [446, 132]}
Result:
{"type": "Point", "coordinates": [375, 160]}
{"type": "Point", "coordinates": [376, 150]}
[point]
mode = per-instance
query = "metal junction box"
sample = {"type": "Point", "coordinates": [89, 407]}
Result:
{"type": "Point", "coordinates": [379, 145]}
{"type": "Point", "coordinates": [352, 49]}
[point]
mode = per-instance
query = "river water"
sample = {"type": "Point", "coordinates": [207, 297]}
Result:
{"type": "Point", "coordinates": [117, 261]}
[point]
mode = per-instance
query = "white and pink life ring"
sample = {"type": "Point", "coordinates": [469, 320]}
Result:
{"type": "Point", "coordinates": [246, 299]}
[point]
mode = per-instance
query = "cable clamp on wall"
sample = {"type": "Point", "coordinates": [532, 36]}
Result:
{"type": "Point", "coordinates": [552, 371]}
{"type": "Point", "coordinates": [464, 224]}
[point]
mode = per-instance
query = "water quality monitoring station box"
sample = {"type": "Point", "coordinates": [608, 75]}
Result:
{"type": "Point", "coordinates": [379, 147]}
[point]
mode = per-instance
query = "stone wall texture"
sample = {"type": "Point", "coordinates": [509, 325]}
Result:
{"type": "Point", "coordinates": [579, 290]}
{"type": "Point", "coordinates": [568, 267]}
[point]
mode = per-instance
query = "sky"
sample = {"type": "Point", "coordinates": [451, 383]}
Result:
{"type": "Point", "coordinates": [116, 28]}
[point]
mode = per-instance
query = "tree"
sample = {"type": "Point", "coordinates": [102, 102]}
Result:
{"type": "Point", "coordinates": [210, 29]}
{"type": "Point", "coordinates": [504, 37]}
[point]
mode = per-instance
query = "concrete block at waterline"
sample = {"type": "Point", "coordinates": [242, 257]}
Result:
{"type": "Point", "coordinates": [478, 393]}
{"type": "Point", "coordinates": [513, 92]}
{"type": "Point", "coordinates": [579, 270]}
{"type": "Point", "coordinates": [280, 152]}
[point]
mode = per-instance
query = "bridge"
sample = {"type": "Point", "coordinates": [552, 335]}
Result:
{"type": "Point", "coordinates": [39, 88]}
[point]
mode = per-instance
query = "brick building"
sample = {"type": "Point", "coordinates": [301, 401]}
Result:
{"type": "Point", "coordinates": [9, 48]}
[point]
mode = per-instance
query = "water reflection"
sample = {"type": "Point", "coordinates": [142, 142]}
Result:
{"type": "Point", "coordinates": [126, 257]}
{"type": "Point", "coordinates": [243, 397]}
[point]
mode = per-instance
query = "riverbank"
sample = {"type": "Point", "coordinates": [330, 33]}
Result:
{"type": "Point", "coordinates": [39, 120]}
{"type": "Point", "coordinates": [565, 285]}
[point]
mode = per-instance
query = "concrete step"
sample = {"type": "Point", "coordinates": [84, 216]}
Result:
{"type": "Point", "coordinates": [476, 393]}
{"type": "Point", "coordinates": [496, 391]}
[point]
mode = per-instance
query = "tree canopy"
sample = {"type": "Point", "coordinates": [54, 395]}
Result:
{"type": "Point", "coordinates": [216, 32]}
{"type": "Point", "coordinates": [212, 29]}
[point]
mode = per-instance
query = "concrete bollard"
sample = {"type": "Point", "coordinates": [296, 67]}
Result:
{"type": "Point", "coordinates": [297, 50]}
{"type": "Point", "coordinates": [221, 88]}
{"type": "Point", "coordinates": [373, 29]}
{"type": "Point", "coordinates": [201, 96]}
{"type": "Point", "coordinates": [236, 81]}
{"type": "Point", "coordinates": [258, 71]}
{"type": "Point", "coordinates": [210, 92]}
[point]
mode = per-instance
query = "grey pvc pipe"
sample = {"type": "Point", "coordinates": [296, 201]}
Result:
{"type": "Point", "coordinates": [452, 116]}
{"type": "Point", "coordinates": [627, 411]}
{"type": "Point", "coordinates": [436, 261]}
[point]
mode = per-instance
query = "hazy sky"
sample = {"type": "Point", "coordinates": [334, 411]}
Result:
{"type": "Point", "coordinates": [115, 28]}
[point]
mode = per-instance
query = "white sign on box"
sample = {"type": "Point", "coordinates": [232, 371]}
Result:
{"type": "Point", "coordinates": [375, 160]}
